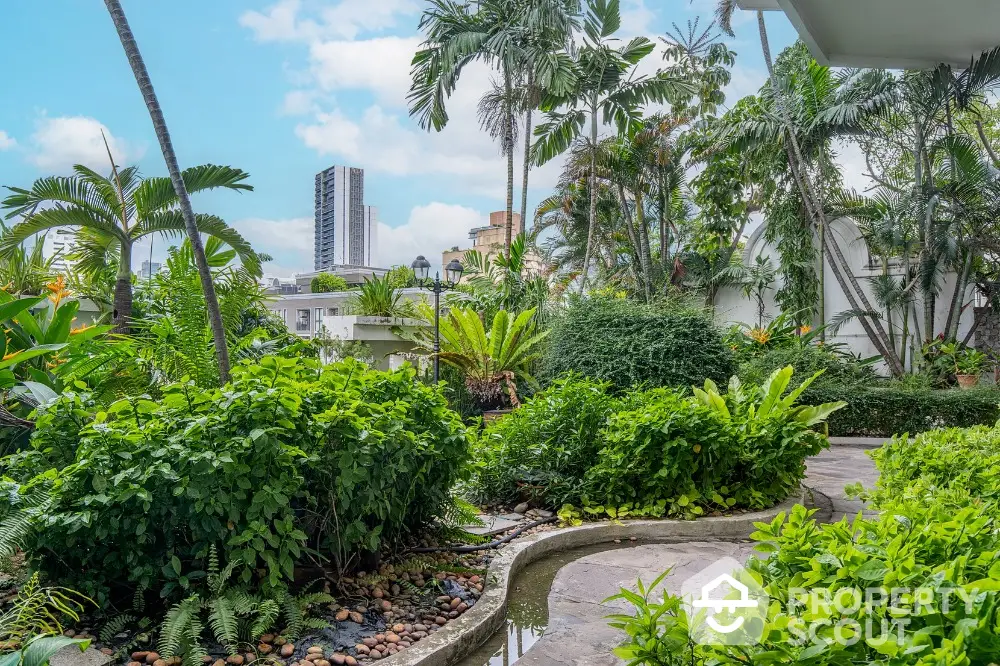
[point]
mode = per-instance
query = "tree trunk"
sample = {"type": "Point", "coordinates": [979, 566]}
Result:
{"type": "Point", "coordinates": [508, 141]}
{"type": "Point", "coordinates": [527, 151]}
{"type": "Point", "coordinates": [166, 146]}
{"type": "Point", "coordinates": [647, 259]}
{"type": "Point", "coordinates": [122, 313]}
{"type": "Point", "coordinates": [845, 276]}
{"type": "Point", "coordinates": [958, 299]}
{"type": "Point", "coordinates": [593, 194]}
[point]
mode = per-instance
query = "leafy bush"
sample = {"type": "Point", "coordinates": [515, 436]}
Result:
{"type": "Point", "coordinates": [652, 452]}
{"type": "Point", "coordinates": [806, 360]}
{"type": "Point", "coordinates": [325, 283]}
{"type": "Point", "coordinates": [547, 445]}
{"type": "Point", "coordinates": [886, 410]}
{"type": "Point", "coordinates": [629, 344]}
{"type": "Point", "coordinates": [923, 558]}
{"type": "Point", "coordinates": [940, 467]}
{"type": "Point", "coordinates": [341, 459]}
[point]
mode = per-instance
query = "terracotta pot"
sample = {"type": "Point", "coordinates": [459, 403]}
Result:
{"type": "Point", "coordinates": [495, 414]}
{"type": "Point", "coordinates": [967, 381]}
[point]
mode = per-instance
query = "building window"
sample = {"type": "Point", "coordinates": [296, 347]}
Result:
{"type": "Point", "coordinates": [302, 321]}
{"type": "Point", "coordinates": [333, 312]}
{"type": "Point", "coordinates": [318, 313]}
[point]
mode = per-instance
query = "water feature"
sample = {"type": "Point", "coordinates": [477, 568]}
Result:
{"type": "Point", "coordinates": [528, 609]}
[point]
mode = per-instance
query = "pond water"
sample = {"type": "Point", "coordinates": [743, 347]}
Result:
{"type": "Point", "coordinates": [528, 609]}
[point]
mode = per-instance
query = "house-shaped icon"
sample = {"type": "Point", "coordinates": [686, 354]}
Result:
{"type": "Point", "coordinates": [718, 605]}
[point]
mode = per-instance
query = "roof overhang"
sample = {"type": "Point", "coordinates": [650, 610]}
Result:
{"type": "Point", "coordinates": [897, 34]}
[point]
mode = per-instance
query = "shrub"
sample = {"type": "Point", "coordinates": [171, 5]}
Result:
{"type": "Point", "coordinates": [653, 452]}
{"type": "Point", "coordinates": [668, 448]}
{"type": "Point", "coordinates": [924, 563]}
{"type": "Point", "coordinates": [941, 467]}
{"type": "Point", "coordinates": [886, 410]}
{"type": "Point", "coordinates": [806, 360]}
{"type": "Point", "coordinates": [325, 283]}
{"type": "Point", "coordinates": [629, 344]}
{"type": "Point", "coordinates": [547, 445]}
{"type": "Point", "coordinates": [341, 459]}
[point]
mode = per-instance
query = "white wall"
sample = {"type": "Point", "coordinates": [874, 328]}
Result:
{"type": "Point", "coordinates": [733, 307]}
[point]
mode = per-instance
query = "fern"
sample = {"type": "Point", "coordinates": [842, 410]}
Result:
{"type": "Point", "coordinates": [17, 513]}
{"type": "Point", "coordinates": [115, 626]}
{"type": "Point", "coordinates": [224, 623]}
{"type": "Point", "coordinates": [268, 612]}
{"type": "Point", "coordinates": [175, 634]}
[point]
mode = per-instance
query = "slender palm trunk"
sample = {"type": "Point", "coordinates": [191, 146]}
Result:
{"type": "Point", "coordinates": [122, 314]}
{"type": "Point", "coordinates": [527, 151]}
{"type": "Point", "coordinates": [508, 141]}
{"type": "Point", "coordinates": [647, 259]}
{"type": "Point", "coordinates": [592, 218]}
{"type": "Point", "coordinates": [845, 276]}
{"type": "Point", "coordinates": [166, 146]}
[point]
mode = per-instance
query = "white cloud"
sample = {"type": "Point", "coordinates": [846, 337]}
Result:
{"type": "Point", "coordinates": [6, 141]}
{"type": "Point", "coordinates": [59, 143]}
{"type": "Point", "coordinates": [381, 64]}
{"type": "Point", "coordinates": [278, 238]}
{"type": "Point", "coordinates": [637, 19]}
{"type": "Point", "coordinates": [299, 103]}
{"type": "Point", "coordinates": [431, 230]}
{"type": "Point", "coordinates": [282, 21]}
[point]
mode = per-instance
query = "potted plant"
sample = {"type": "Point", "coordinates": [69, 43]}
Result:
{"type": "Point", "coordinates": [969, 366]}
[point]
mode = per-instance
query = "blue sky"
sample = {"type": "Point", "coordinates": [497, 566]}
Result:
{"type": "Point", "coordinates": [282, 89]}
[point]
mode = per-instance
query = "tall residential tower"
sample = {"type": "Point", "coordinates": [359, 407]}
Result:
{"type": "Point", "coordinates": [346, 229]}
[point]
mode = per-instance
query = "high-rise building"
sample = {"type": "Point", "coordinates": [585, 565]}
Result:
{"type": "Point", "coordinates": [345, 228]}
{"type": "Point", "coordinates": [149, 268]}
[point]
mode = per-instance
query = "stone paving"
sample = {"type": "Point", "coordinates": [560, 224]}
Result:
{"type": "Point", "coordinates": [578, 633]}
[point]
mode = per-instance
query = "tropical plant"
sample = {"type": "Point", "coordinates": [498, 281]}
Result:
{"type": "Point", "coordinates": [31, 626]}
{"type": "Point", "coordinates": [493, 361]}
{"type": "Point", "coordinates": [651, 452]}
{"type": "Point", "coordinates": [192, 224]}
{"type": "Point", "coordinates": [235, 615]}
{"type": "Point", "coordinates": [503, 282]}
{"type": "Point", "coordinates": [606, 85]}
{"type": "Point", "coordinates": [512, 36]}
{"type": "Point", "coordinates": [116, 212]}
{"type": "Point", "coordinates": [325, 283]}
{"type": "Point", "coordinates": [378, 297]}
{"type": "Point", "coordinates": [26, 272]}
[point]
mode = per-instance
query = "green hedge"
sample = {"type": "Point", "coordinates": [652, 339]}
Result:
{"type": "Point", "coordinates": [883, 411]}
{"type": "Point", "coordinates": [629, 344]}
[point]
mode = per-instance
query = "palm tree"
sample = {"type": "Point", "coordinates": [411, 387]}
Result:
{"type": "Point", "coordinates": [112, 213]}
{"type": "Point", "coordinates": [812, 199]}
{"type": "Point", "coordinates": [506, 35]}
{"type": "Point", "coordinates": [176, 177]}
{"type": "Point", "coordinates": [606, 86]}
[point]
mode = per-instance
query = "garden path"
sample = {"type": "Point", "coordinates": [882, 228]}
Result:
{"type": "Point", "coordinates": [578, 633]}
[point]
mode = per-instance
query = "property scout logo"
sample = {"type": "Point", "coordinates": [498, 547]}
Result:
{"type": "Point", "coordinates": [727, 606]}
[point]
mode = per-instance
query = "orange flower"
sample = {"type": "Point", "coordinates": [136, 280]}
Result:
{"type": "Point", "coordinates": [805, 329]}
{"type": "Point", "coordinates": [59, 290]}
{"type": "Point", "coordinates": [80, 329]}
{"type": "Point", "coordinates": [12, 355]}
{"type": "Point", "coordinates": [759, 335]}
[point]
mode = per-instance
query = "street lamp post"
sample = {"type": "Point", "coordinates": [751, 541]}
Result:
{"type": "Point", "coordinates": [453, 275]}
